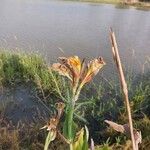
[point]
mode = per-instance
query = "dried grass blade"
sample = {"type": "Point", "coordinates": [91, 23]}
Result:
{"type": "Point", "coordinates": [123, 83]}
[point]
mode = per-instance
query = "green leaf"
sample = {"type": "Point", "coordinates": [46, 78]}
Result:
{"type": "Point", "coordinates": [78, 143]}
{"type": "Point", "coordinates": [80, 118]}
{"type": "Point", "coordinates": [81, 140]}
{"type": "Point", "coordinates": [50, 137]}
{"type": "Point", "coordinates": [85, 139]}
{"type": "Point", "coordinates": [78, 105]}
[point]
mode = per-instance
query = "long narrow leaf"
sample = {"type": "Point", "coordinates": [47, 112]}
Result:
{"type": "Point", "coordinates": [85, 139]}
{"type": "Point", "coordinates": [80, 118]}
{"type": "Point", "coordinates": [79, 141]}
{"type": "Point", "coordinates": [81, 104]}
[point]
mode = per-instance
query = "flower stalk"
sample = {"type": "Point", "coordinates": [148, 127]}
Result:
{"type": "Point", "coordinates": [79, 73]}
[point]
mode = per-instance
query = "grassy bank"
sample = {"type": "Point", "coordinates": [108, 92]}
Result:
{"type": "Point", "coordinates": [98, 102]}
{"type": "Point", "coordinates": [17, 68]}
{"type": "Point", "coordinates": [101, 1]}
{"type": "Point", "coordinates": [119, 3]}
{"type": "Point", "coordinates": [141, 5]}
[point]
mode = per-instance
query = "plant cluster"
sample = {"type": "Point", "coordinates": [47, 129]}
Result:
{"type": "Point", "coordinates": [79, 73]}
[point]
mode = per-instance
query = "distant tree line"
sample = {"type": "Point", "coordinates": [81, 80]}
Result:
{"type": "Point", "coordinates": [134, 1]}
{"type": "Point", "coordinates": [145, 0]}
{"type": "Point", "coordinates": [130, 1]}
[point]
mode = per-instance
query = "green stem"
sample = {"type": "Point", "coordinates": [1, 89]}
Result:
{"type": "Point", "coordinates": [71, 146]}
{"type": "Point", "coordinates": [71, 109]}
{"type": "Point", "coordinates": [70, 121]}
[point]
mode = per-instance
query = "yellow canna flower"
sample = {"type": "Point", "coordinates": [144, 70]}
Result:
{"type": "Point", "coordinates": [69, 67]}
{"type": "Point", "coordinates": [75, 70]}
{"type": "Point", "coordinates": [73, 64]}
{"type": "Point", "coordinates": [75, 67]}
{"type": "Point", "coordinates": [92, 69]}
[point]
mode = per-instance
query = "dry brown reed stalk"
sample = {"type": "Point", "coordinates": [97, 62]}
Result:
{"type": "Point", "coordinates": [123, 83]}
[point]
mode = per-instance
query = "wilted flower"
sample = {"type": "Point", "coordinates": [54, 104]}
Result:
{"type": "Point", "coordinates": [76, 70]}
{"type": "Point", "coordinates": [93, 68]}
{"type": "Point", "coordinates": [52, 127]}
{"type": "Point", "coordinates": [53, 123]}
{"type": "Point", "coordinates": [62, 70]}
{"type": "Point", "coordinates": [73, 63]}
{"type": "Point", "coordinates": [60, 107]}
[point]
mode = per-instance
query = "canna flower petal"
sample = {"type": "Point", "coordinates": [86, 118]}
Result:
{"type": "Point", "coordinates": [92, 69]}
{"type": "Point", "coordinates": [44, 127]}
{"type": "Point", "coordinates": [95, 65]}
{"type": "Point", "coordinates": [52, 124]}
{"type": "Point", "coordinates": [74, 65]}
{"type": "Point", "coordinates": [62, 70]}
{"type": "Point", "coordinates": [77, 71]}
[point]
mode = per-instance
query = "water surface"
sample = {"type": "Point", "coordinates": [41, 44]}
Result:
{"type": "Point", "coordinates": [77, 28]}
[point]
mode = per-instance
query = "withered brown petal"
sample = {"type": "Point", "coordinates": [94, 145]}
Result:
{"type": "Point", "coordinates": [62, 70]}
{"type": "Point", "coordinates": [116, 126]}
{"type": "Point", "coordinates": [126, 130]}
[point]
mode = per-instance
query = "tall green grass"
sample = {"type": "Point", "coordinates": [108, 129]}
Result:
{"type": "Point", "coordinates": [105, 103]}
{"type": "Point", "coordinates": [18, 68]}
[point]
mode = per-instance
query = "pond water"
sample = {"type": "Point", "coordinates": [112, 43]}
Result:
{"type": "Point", "coordinates": [60, 28]}
{"type": "Point", "coordinates": [21, 103]}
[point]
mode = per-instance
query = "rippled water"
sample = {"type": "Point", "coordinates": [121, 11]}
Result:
{"type": "Point", "coordinates": [54, 27]}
